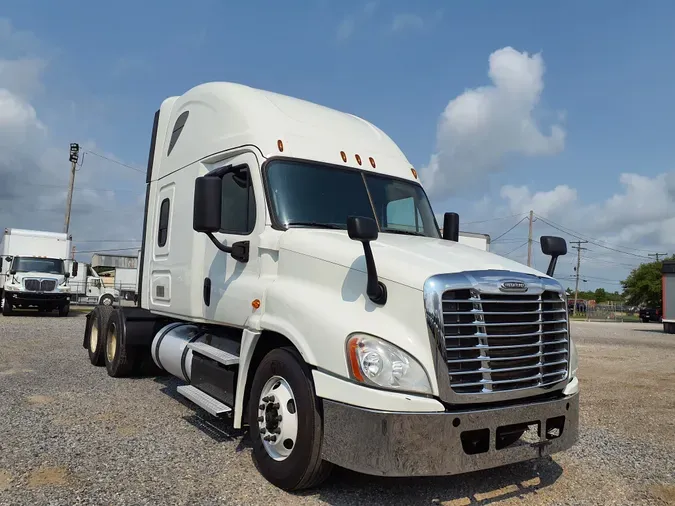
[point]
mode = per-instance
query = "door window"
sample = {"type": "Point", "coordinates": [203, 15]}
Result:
{"type": "Point", "coordinates": [238, 202]}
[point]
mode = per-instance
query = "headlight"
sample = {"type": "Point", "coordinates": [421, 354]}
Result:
{"type": "Point", "coordinates": [574, 359]}
{"type": "Point", "coordinates": [378, 363]}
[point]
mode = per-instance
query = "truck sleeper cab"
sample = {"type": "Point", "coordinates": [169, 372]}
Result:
{"type": "Point", "coordinates": [294, 276]}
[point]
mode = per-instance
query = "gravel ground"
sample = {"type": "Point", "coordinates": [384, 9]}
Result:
{"type": "Point", "coordinates": [69, 434]}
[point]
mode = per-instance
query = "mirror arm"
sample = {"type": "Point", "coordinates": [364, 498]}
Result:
{"type": "Point", "coordinates": [551, 266]}
{"type": "Point", "coordinates": [238, 250]}
{"type": "Point", "coordinates": [375, 289]}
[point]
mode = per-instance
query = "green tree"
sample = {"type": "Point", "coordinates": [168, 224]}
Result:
{"type": "Point", "coordinates": [600, 295]}
{"type": "Point", "coordinates": [643, 285]}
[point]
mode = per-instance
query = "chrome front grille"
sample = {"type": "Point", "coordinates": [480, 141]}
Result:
{"type": "Point", "coordinates": [47, 285]}
{"type": "Point", "coordinates": [32, 285]}
{"type": "Point", "coordinates": [504, 342]}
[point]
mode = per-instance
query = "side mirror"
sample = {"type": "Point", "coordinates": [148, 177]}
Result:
{"type": "Point", "coordinates": [66, 275]}
{"type": "Point", "coordinates": [451, 227]}
{"type": "Point", "coordinates": [365, 230]}
{"type": "Point", "coordinates": [206, 215]}
{"type": "Point", "coordinates": [207, 204]}
{"type": "Point", "coordinates": [12, 272]}
{"type": "Point", "coordinates": [555, 247]}
{"type": "Point", "coordinates": [362, 229]}
{"type": "Point", "coordinates": [75, 269]}
{"type": "Point", "coordinates": [9, 259]}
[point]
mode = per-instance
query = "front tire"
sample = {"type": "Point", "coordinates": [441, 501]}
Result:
{"type": "Point", "coordinates": [282, 386]}
{"type": "Point", "coordinates": [6, 307]}
{"type": "Point", "coordinates": [64, 310]}
{"type": "Point", "coordinates": [107, 300]}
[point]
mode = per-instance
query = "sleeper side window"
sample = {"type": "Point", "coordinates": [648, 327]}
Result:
{"type": "Point", "coordinates": [177, 130]}
{"type": "Point", "coordinates": [163, 229]}
{"type": "Point", "coordinates": [238, 202]}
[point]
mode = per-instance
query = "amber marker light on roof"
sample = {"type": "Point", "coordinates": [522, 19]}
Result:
{"type": "Point", "coordinates": [344, 156]}
{"type": "Point", "coordinates": [372, 162]}
{"type": "Point", "coordinates": [280, 145]}
{"type": "Point", "coordinates": [358, 159]}
{"type": "Point", "coordinates": [414, 173]}
{"type": "Point", "coordinates": [256, 302]}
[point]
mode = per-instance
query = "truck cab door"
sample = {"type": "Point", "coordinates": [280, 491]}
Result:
{"type": "Point", "coordinates": [229, 286]}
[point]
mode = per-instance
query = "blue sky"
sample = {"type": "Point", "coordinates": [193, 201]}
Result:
{"type": "Point", "coordinates": [606, 74]}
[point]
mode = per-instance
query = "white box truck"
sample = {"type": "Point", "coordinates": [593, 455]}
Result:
{"type": "Point", "coordinates": [476, 240]}
{"type": "Point", "coordinates": [89, 288]}
{"type": "Point", "coordinates": [33, 271]}
{"type": "Point", "coordinates": [294, 278]}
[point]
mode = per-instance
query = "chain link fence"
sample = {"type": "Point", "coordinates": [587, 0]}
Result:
{"type": "Point", "coordinates": [609, 311]}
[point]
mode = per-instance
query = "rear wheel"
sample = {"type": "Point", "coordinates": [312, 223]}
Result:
{"type": "Point", "coordinates": [95, 334]}
{"type": "Point", "coordinates": [285, 419]}
{"type": "Point", "coordinates": [119, 358]}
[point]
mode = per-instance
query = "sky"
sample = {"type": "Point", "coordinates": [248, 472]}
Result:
{"type": "Point", "coordinates": [565, 109]}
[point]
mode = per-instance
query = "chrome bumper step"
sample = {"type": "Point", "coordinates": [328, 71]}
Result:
{"type": "Point", "coordinates": [203, 400]}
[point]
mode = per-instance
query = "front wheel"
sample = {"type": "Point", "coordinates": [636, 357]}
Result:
{"type": "Point", "coordinates": [64, 310]}
{"type": "Point", "coordinates": [6, 306]}
{"type": "Point", "coordinates": [107, 300]}
{"type": "Point", "coordinates": [285, 419]}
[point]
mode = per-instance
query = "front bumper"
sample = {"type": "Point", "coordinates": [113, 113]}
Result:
{"type": "Point", "coordinates": [430, 444]}
{"type": "Point", "coordinates": [38, 298]}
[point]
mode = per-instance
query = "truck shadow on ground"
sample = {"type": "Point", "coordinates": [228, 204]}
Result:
{"type": "Point", "coordinates": [346, 487]}
{"type": "Point", "coordinates": [478, 488]}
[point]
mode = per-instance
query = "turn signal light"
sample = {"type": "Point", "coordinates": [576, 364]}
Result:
{"type": "Point", "coordinates": [372, 162]}
{"type": "Point", "coordinates": [280, 145]}
{"type": "Point", "coordinates": [255, 303]}
{"type": "Point", "coordinates": [358, 159]}
{"type": "Point", "coordinates": [344, 156]}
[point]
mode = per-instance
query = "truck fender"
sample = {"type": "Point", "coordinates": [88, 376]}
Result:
{"type": "Point", "coordinates": [249, 341]}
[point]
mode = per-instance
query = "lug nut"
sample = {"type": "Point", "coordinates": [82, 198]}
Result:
{"type": "Point", "coordinates": [262, 406]}
{"type": "Point", "coordinates": [261, 418]}
{"type": "Point", "coordinates": [275, 405]}
{"type": "Point", "coordinates": [273, 439]}
{"type": "Point", "coordinates": [263, 430]}
{"type": "Point", "coordinates": [277, 430]}
{"type": "Point", "coordinates": [265, 399]}
{"type": "Point", "coordinates": [279, 418]}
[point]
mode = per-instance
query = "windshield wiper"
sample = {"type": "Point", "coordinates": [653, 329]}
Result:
{"type": "Point", "coordinates": [402, 232]}
{"type": "Point", "coordinates": [317, 224]}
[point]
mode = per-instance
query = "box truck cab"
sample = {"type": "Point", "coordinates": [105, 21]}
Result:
{"type": "Point", "coordinates": [87, 286]}
{"type": "Point", "coordinates": [293, 276]}
{"type": "Point", "coordinates": [33, 272]}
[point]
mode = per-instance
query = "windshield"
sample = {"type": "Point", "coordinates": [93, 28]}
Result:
{"type": "Point", "coordinates": [31, 264]}
{"type": "Point", "coordinates": [317, 195]}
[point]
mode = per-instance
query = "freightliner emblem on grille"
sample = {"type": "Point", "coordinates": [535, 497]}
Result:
{"type": "Point", "coordinates": [513, 286]}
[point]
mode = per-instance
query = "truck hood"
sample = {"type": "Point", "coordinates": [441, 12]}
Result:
{"type": "Point", "coordinates": [404, 259]}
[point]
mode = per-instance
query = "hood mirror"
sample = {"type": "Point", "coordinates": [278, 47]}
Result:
{"type": "Point", "coordinates": [451, 227]}
{"type": "Point", "coordinates": [554, 247]}
{"type": "Point", "coordinates": [365, 230]}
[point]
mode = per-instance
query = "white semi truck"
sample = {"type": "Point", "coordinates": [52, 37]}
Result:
{"type": "Point", "coordinates": [294, 278]}
{"type": "Point", "coordinates": [34, 271]}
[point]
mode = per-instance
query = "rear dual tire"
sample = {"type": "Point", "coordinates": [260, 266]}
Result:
{"type": "Point", "coordinates": [303, 467]}
{"type": "Point", "coordinates": [95, 334]}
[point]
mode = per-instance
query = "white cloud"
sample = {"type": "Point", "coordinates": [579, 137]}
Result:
{"type": "Point", "coordinates": [34, 170]}
{"type": "Point", "coordinates": [347, 27]}
{"type": "Point", "coordinates": [522, 200]}
{"type": "Point", "coordinates": [481, 127]}
{"type": "Point", "coordinates": [407, 21]}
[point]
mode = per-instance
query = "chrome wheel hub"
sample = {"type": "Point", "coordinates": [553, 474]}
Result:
{"type": "Point", "coordinates": [277, 418]}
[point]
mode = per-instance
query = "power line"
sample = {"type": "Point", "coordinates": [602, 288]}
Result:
{"type": "Point", "coordinates": [492, 219]}
{"type": "Point", "coordinates": [657, 255]}
{"type": "Point", "coordinates": [589, 241]}
{"type": "Point", "coordinates": [509, 230]}
{"type": "Point", "coordinates": [108, 250]}
{"type": "Point", "coordinates": [514, 250]}
{"type": "Point", "coordinates": [117, 162]}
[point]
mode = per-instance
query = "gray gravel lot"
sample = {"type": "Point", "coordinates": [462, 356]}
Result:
{"type": "Point", "coordinates": [69, 434]}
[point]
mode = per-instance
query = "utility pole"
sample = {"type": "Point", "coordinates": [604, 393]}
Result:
{"type": "Point", "coordinates": [657, 255]}
{"type": "Point", "coordinates": [576, 288]}
{"type": "Point", "coordinates": [74, 156]}
{"type": "Point", "coordinates": [529, 241]}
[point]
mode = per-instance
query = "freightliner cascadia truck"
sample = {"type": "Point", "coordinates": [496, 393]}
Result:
{"type": "Point", "coordinates": [295, 279]}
